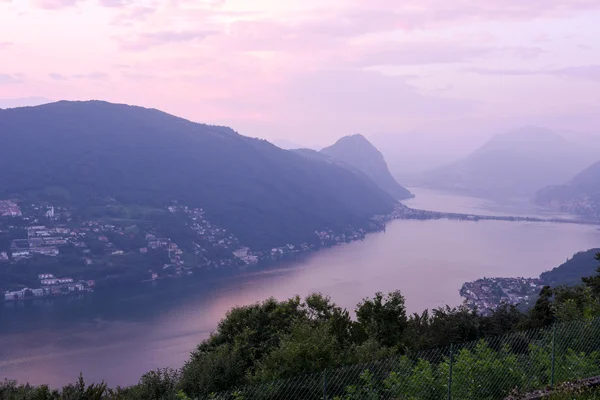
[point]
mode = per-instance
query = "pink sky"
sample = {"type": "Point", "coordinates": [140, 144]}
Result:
{"type": "Point", "coordinates": [310, 71]}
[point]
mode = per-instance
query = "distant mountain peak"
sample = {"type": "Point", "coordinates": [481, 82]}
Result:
{"type": "Point", "coordinates": [355, 139]}
{"type": "Point", "coordinates": [514, 164]}
{"type": "Point", "coordinates": [356, 151]}
{"type": "Point", "coordinates": [354, 136]}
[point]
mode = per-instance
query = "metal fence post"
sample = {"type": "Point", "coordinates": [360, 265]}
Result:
{"type": "Point", "coordinates": [553, 355]}
{"type": "Point", "coordinates": [450, 372]}
{"type": "Point", "coordinates": [325, 385]}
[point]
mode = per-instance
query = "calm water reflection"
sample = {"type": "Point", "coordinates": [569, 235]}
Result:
{"type": "Point", "coordinates": [119, 336]}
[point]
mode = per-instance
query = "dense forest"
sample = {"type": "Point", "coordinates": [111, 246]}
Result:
{"type": "Point", "coordinates": [276, 340]}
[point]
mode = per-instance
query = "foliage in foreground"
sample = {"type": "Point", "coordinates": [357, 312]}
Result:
{"type": "Point", "coordinates": [375, 355]}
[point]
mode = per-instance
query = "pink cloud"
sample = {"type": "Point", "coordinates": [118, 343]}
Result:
{"type": "Point", "coordinates": [7, 79]}
{"type": "Point", "coordinates": [419, 53]}
{"type": "Point", "coordinates": [526, 52]}
{"type": "Point", "coordinates": [135, 14]}
{"type": "Point", "coordinates": [91, 76]}
{"type": "Point", "coordinates": [585, 72]}
{"type": "Point", "coordinates": [357, 92]}
{"type": "Point", "coordinates": [115, 3]}
{"type": "Point", "coordinates": [56, 4]}
{"type": "Point", "coordinates": [57, 77]}
{"type": "Point", "coordinates": [148, 40]}
{"type": "Point", "coordinates": [429, 11]}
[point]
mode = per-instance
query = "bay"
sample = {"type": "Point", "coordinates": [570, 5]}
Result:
{"type": "Point", "coordinates": [117, 336]}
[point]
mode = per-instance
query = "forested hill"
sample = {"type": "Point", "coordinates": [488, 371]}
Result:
{"type": "Point", "coordinates": [581, 264]}
{"type": "Point", "coordinates": [84, 153]}
{"type": "Point", "coordinates": [359, 153]}
{"type": "Point", "coordinates": [581, 195]}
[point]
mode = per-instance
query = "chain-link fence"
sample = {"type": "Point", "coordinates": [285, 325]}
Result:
{"type": "Point", "coordinates": [487, 369]}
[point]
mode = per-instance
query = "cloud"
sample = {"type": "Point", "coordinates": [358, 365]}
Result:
{"type": "Point", "coordinates": [134, 14]}
{"type": "Point", "coordinates": [419, 53]}
{"type": "Point", "coordinates": [359, 91]}
{"type": "Point", "coordinates": [502, 71]}
{"type": "Point", "coordinates": [56, 4]}
{"type": "Point", "coordinates": [421, 13]}
{"type": "Point", "coordinates": [355, 18]}
{"type": "Point", "coordinates": [8, 79]}
{"type": "Point", "coordinates": [57, 77]}
{"type": "Point", "coordinates": [585, 72]}
{"type": "Point", "coordinates": [329, 103]}
{"type": "Point", "coordinates": [526, 52]}
{"type": "Point", "coordinates": [115, 3]}
{"type": "Point", "coordinates": [148, 40]}
{"type": "Point", "coordinates": [92, 76]}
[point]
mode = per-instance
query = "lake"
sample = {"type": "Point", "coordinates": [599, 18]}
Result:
{"type": "Point", "coordinates": [119, 336]}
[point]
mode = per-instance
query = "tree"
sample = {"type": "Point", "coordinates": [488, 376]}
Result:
{"type": "Point", "coordinates": [593, 282]}
{"type": "Point", "coordinates": [320, 309]}
{"type": "Point", "coordinates": [542, 313]}
{"type": "Point", "coordinates": [383, 318]}
{"type": "Point", "coordinates": [212, 371]}
{"type": "Point", "coordinates": [159, 384]}
{"type": "Point", "coordinates": [304, 350]}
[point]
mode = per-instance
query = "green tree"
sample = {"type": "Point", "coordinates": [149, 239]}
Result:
{"type": "Point", "coordinates": [542, 313]}
{"type": "Point", "coordinates": [305, 349]}
{"type": "Point", "coordinates": [320, 308]}
{"type": "Point", "coordinates": [160, 384]}
{"type": "Point", "coordinates": [593, 282]}
{"type": "Point", "coordinates": [212, 370]}
{"type": "Point", "coordinates": [383, 318]}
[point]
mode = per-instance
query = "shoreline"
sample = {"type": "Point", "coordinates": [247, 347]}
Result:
{"type": "Point", "coordinates": [280, 263]}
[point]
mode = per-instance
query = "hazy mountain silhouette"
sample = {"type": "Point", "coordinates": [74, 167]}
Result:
{"type": "Point", "coordinates": [358, 152]}
{"type": "Point", "coordinates": [410, 154]}
{"type": "Point", "coordinates": [581, 195]}
{"type": "Point", "coordinates": [513, 164]}
{"type": "Point", "coordinates": [82, 153]}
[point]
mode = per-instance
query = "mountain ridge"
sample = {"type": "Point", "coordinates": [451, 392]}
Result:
{"type": "Point", "coordinates": [90, 151]}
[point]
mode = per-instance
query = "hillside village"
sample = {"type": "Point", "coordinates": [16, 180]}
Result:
{"type": "Point", "coordinates": [70, 255]}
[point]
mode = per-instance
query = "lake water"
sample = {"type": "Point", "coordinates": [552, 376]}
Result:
{"type": "Point", "coordinates": [119, 336]}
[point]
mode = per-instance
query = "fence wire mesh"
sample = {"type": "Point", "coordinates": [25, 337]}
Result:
{"type": "Point", "coordinates": [487, 369]}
